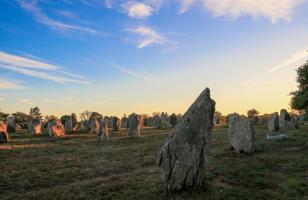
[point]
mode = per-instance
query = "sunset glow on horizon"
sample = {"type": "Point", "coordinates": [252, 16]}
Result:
{"type": "Point", "coordinates": [120, 57]}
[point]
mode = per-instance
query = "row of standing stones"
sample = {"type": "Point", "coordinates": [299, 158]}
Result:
{"type": "Point", "coordinates": [184, 157]}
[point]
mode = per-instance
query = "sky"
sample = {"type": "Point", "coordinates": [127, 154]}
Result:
{"type": "Point", "coordinates": [122, 56]}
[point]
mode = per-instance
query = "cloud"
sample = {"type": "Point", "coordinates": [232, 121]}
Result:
{"type": "Point", "coordinates": [8, 84]}
{"type": "Point", "coordinates": [66, 14]}
{"type": "Point", "coordinates": [54, 24]}
{"type": "Point", "coordinates": [185, 5]}
{"type": "Point", "coordinates": [2, 98]}
{"type": "Point", "coordinates": [146, 36]}
{"type": "Point", "coordinates": [144, 76]}
{"type": "Point", "coordinates": [297, 56]}
{"type": "Point", "coordinates": [273, 9]}
{"type": "Point", "coordinates": [38, 69]}
{"type": "Point", "coordinates": [108, 3]}
{"type": "Point", "coordinates": [26, 101]}
{"type": "Point", "coordinates": [138, 10]}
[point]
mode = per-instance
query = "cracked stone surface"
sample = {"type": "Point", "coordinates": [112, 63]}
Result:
{"type": "Point", "coordinates": [184, 157]}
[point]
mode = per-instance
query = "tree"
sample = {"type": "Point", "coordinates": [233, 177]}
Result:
{"type": "Point", "coordinates": [35, 113]}
{"type": "Point", "coordinates": [21, 119]}
{"type": "Point", "coordinates": [3, 116]}
{"type": "Point", "coordinates": [299, 99]}
{"type": "Point", "coordinates": [252, 113]}
{"type": "Point", "coordinates": [84, 116]}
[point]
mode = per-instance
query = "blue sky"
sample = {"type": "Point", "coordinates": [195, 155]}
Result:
{"type": "Point", "coordinates": [145, 56]}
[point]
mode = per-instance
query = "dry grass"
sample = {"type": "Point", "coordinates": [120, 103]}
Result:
{"type": "Point", "coordinates": [78, 167]}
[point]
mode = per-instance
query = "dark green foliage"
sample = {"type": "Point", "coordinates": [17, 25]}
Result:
{"type": "Point", "coordinates": [3, 116]}
{"type": "Point", "coordinates": [35, 113]}
{"type": "Point", "coordinates": [252, 113]}
{"type": "Point", "coordinates": [21, 119]}
{"type": "Point", "coordinates": [299, 100]}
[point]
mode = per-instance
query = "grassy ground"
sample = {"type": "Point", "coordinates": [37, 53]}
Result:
{"type": "Point", "coordinates": [79, 167]}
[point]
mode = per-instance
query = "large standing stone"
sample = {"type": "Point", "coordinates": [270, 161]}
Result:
{"type": "Point", "coordinates": [273, 123]}
{"type": "Point", "coordinates": [184, 157]}
{"type": "Point", "coordinates": [35, 127]}
{"type": "Point", "coordinates": [134, 125]}
{"type": "Point", "coordinates": [4, 136]}
{"type": "Point", "coordinates": [285, 120]}
{"type": "Point", "coordinates": [56, 128]}
{"type": "Point", "coordinates": [241, 133]}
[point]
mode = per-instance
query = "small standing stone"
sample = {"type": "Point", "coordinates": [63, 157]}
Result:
{"type": "Point", "coordinates": [134, 125]}
{"type": "Point", "coordinates": [273, 123]}
{"type": "Point", "coordinates": [124, 122]}
{"type": "Point", "coordinates": [241, 133]}
{"type": "Point", "coordinates": [35, 127]}
{"type": "Point", "coordinates": [103, 131]}
{"type": "Point", "coordinates": [285, 120]}
{"type": "Point", "coordinates": [56, 128]}
{"type": "Point", "coordinates": [4, 136]}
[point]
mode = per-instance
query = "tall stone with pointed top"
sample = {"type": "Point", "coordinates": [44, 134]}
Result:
{"type": "Point", "coordinates": [184, 157]}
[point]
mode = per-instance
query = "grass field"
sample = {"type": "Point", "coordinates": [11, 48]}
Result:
{"type": "Point", "coordinates": [78, 167]}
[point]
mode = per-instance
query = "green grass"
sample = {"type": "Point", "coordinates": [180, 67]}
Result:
{"type": "Point", "coordinates": [79, 167]}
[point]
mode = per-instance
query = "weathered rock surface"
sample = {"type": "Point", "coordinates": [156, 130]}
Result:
{"type": "Point", "coordinates": [71, 123]}
{"type": "Point", "coordinates": [35, 127]}
{"type": "Point", "coordinates": [184, 157]}
{"type": "Point", "coordinates": [273, 123]}
{"type": "Point", "coordinates": [173, 120]}
{"type": "Point", "coordinates": [241, 133]}
{"type": "Point", "coordinates": [56, 128]}
{"type": "Point", "coordinates": [134, 125]}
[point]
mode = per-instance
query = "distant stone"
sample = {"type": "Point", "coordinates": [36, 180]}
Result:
{"type": "Point", "coordinates": [103, 131]}
{"type": "Point", "coordinates": [241, 133]}
{"type": "Point", "coordinates": [134, 125]}
{"type": "Point", "coordinates": [116, 124]}
{"type": "Point", "coordinates": [157, 122]}
{"type": "Point", "coordinates": [173, 120]}
{"type": "Point", "coordinates": [285, 120]}
{"type": "Point", "coordinates": [56, 128]}
{"type": "Point", "coordinates": [93, 125]}
{"type": "Point", "coordinates": [4, 136]}
{"type": "Point", "coordinates": [273, 123]}
{"type": "Point", "coordinates": [184, 157]}
{"type": "Point", "coordinates": [35, 127]}
{"type": "Point", "coordinates": [271, 136]}
{"type": "Point", "coordinates": [124, 122]}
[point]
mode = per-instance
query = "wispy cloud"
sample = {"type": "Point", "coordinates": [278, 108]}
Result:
{"type": "Point", "coordinates": [9, 84]}
{"type": "Point", "coordinates": [38, 69]}
{"type": "Point", "coordinates": [66, 14]}
{"type": "Point", "coordinates": [299, 56]}
{"type": "Point", "coordinates": [26, 101]}
{"type": "Point", "coordinates": [42, 18]}
{"type": "Point", "coordinates": [185, 5]}
{"type": "Point", "coordinates": [138, 10]}
{"type": "Point", "coordinates": [146, 36]}
{"type": "Point", "coordinates": [272, 9]}
{"type": "Point", "coordinates": [142, 75]}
